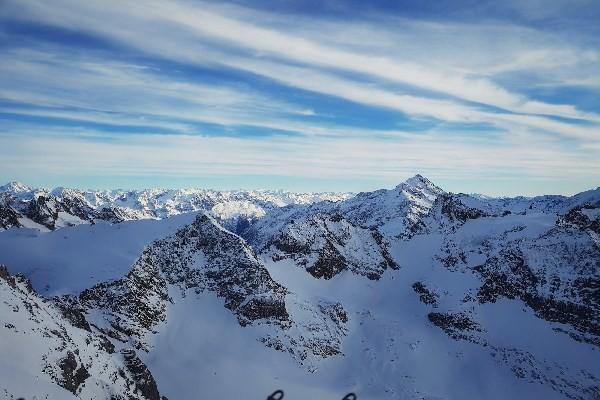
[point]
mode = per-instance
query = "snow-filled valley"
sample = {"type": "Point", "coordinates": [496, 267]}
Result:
{"type": "Point", "coordinates": [406, 293]}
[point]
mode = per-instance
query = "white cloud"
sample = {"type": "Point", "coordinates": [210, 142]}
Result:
{"type": "Point", "coordinates": [443, 71]}
{"type": "Point", "coordinates": [142, 155]}
{"type": "Point", "coordinates": [280, 44]}
{"type": "Point", "coordinates": [141, 96]}
{"type": "Point", "coordinates": [93, 90]}
{"type": "Point", "coordinates": [179, 31]}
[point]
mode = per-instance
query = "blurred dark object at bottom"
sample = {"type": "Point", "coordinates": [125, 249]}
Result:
{"type": "Point", "coordinates": [278, 395]}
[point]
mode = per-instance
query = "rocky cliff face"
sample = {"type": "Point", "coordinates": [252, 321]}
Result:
{"type": "Point", "coordinates": [8, 216]}
{"type": "Point", "coordinates": [326, 245]}
{"type": "Point", "coordinates": [49, 347]}
{"type": "Point", "coordinates": [553, 270]}
{"type": "Point", "coordinates": [204, 257]}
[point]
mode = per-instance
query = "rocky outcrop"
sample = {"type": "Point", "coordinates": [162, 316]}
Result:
{"type": "Point", "coordinates": [61, 346]}
{"type": "Point", "coordinates": [43, 210]}
{"type": "Point", "coordinates": [144, 382]}
{"type": "Point", "coordinates": [585, 217]}
{"type": "Point", "coordinates": [8, 216]}
{"type": "Point", "coordinates": [326, 245]}
{"type": "Point", "coordinates": [571, 300]}
{"type": "Point", "coordinates": [132, 306]}
{"type": "Point", "coordinates": [426, 295]}
{"type": "Point", "coordinates": [447, 213]}
{"type": "Point", "coordinates": [456, 325]}
{"type": "Point", "coordinates": [73, 374]}
{"type": "Point", "coordinates": [453, 209]}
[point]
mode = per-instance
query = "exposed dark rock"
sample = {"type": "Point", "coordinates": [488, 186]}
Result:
{"type": "Point", "coordinates": [73, 373]}
{"type": "Point", "coordinates": [5, 275]}
{"type": "Point", "coordinates": [111, 214]}
{"type": "Point", "coordinates": [106, 344]}
{"type": "Point", "coordinates": [323, 245]}
{"type": "Point", "coordinates": [577, 219]}
{"type": "Point", "coordinates": [455, 210]}
{"type": "Point", "coordinates": [510, 279]}
{"type": "Point", "coordinates": [508, 275]}
{"type": "Point", "coordinates": [43, 210]}
{"type": "Point", "coordinates": [290, 245]}
{"type": "Point", "coordinates": [132, 301]}
{"type": "Point", "coordinates": [335, 311]}
{"type": "Point", "coordinates": [8, 216]}
{"type": "Point", "coordinates": [324, 348]}
{"type": "Point", "coordinates": [137, 303]}
{"type": "Point", "coordinates": [425, 295]}
{"type": "Point", "coordinates": [264, 309]}
{"type": "Point", "coordinates": [77, 206]}
{"type": "Point", "coordinates": [73, 312]}
{"type": "Point", "coordinates": [329, 263]}
{"type": "Point", "coordinates": [379, 239]}
{"type": "Point", "coordinates": [13, 280]}
{"type": "Point", "coordinates": [144, 381]}
{"type": "Point", "coordinates": [589, 290]}
{"type": "Point", "coordinates": [584, 319]}
{"type": "Point", "coordinates": [457, 325]}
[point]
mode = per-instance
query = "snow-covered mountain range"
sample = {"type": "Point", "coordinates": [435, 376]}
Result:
{"type": "Point", "coordinates": [21, 205]}
{"type": "Point", "coordinates": [407, 293]}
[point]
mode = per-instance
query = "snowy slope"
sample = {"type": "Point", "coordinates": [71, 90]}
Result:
{"type": "Point", "coordinates": [407, 293]}
{"type": "Point", "coordinates": [49, 351]}
{"type": "Point", "coordinates": [72, 259]}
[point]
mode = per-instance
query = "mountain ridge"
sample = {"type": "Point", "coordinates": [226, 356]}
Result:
{"type": "Point", "coordinates": [369, 293]}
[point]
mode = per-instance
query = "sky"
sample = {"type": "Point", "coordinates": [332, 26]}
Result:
{"type": "Point", "coordinates": [499, 98]}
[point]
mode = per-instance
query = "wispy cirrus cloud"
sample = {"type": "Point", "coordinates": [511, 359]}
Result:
{"type": "Point", "coordinates": [386, 82]}
{"type": "Point", "coordinates": [95, 90]}
{"type": "Point", "coordinates": [201, 24]}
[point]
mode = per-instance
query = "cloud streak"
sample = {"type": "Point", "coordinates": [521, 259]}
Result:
{"type": "Point", "coordinates": [393, 93]}
{"type": "Point", "coordinates": [138, 155]}
{"type": "Point", "coordinates": [201, 24]}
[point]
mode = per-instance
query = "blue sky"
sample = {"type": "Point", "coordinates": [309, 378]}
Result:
{"type": "Point", "coordinates": [500, 98]}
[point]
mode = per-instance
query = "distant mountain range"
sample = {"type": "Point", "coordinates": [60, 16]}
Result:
{"type": "Point", "coordinates": [406, 293]}
{"type": "Point", "coordinates": [21, 205]}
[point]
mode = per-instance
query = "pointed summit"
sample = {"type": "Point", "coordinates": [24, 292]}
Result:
{"type": "Point", "coordinates": [420, 183]}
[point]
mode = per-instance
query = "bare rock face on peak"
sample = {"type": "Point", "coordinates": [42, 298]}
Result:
{"type": "Point", "coordinates": [327, 245]}
{"type": "Point", "coordinates": [327, 238]}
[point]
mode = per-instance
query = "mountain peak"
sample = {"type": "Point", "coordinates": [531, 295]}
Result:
{"type": "Point", "coordinates": [421, 183]}
{"type": "Point", "coordinates": [15, 187]}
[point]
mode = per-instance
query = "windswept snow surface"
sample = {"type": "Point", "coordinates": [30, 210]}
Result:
{"type": "Point", "coordinates": [202, 352]}
{"type": "Point", "coordinates": [72, 259]}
